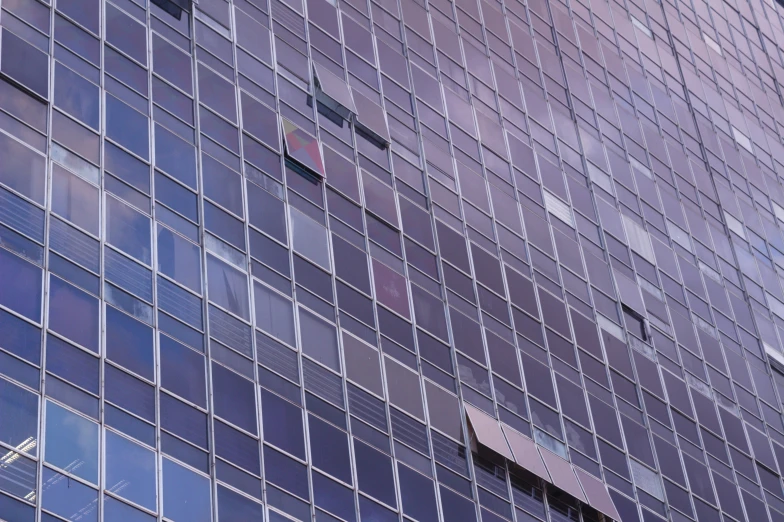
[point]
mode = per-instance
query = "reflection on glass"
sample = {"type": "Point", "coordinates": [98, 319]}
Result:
{"type": "Point", "coordinates": [228, 287]}
{"type": "Point", "coordinates": [303, 147]}
{"type": "Point", "coordinates": [130, 471]}
{"type": "Point", "coordinates": [71, 442]}
{"type": "Point", "coordinates": [21, 406]}
{"type": "Point", "coordinates": [68, 498]}
{"type": "Point", "coordinates": [310, 238]}
{"type": "Point", "coordinates": [186, 495]}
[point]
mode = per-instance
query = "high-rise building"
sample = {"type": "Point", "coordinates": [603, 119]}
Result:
{"type": "Point", "coordinates": [391, 260]}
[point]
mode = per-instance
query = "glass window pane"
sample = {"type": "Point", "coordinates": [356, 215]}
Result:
{"type": "Point", "coordinates": [319, 340]}
{"type": "Point", "coordinates": [282, 424]}
{"type": "Point", "coordinates": [75, 199]}
{"type": "Point", "coordinates": [310, 239]}
{"type": "Point", "coordinates": [116, 511]}
{"type": "Point", "coordinates": [20, 285]}
{"type": "Point", "coordinates": [374, 473]}
{"type": "Point", "coordinates": [73, 313]}
{"type": "Point", "coordinates": [76, 96]}
{"type": "Point", "coordinates": [128, 229]}
{"type": "Point", "coordinates": [123, 32]}
{"type": "Point", "coordinates": [274, 313]}
{"type": "Point", "coordinates": [329, 449]}
{"type": "Point", "coordinates": [234, 398]}
{"type": "Point", "coordinates": [186, 495]}
{"type": "Point", "coordinates": [68, 498]}
{"type": "Point", "coordinates": [172, 64]}
{"type": "Point", "coordinates": [21, 407]}
{"type": "Point", "coordinates": [129, 128]}
{"type": "Point", "coordinates": [182, 371]}
{"type": "Point", "coordinates": [228, 287]}
{"type": "Point", "coordinates": [130, 343]}
{"type": "Point", "coordinates": [130, 471]}
{"type": "Point", "coordinates": [71, 442]}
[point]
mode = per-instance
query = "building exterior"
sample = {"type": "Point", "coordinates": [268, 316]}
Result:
{"type": "Point", "coordinates": [389, 260]}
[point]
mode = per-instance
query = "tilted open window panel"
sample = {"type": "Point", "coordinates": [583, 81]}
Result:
{"type": "Point", "coordinates": [333, 92]}
{"type": "Point", "coordinates": [303, 148]}
{"type": "Point", "coordinates": [516, 447]}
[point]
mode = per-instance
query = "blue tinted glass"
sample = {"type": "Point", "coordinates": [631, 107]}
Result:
{"type": "Point", "coordinates": [333, 497]}
{"type": "Point", "coordinates": [127, 127]}
{"type": "Point", "coordinates": [72, 364]}
{"type": "Point", "coordinates": [116, 511]}
{"type": "Point", "coordinates": [175, 156]}
{"type": "Point", "coordinates": [329, 449]}
{"type": "Point", "coordinates": [16, 510]}
{"type": "Point", "coordinates": [186, 495]}
{"type": "Point", "coordinates": [20, 285]}
{"type": "Point", "coordinates": [130, 343]}
{"type": "Point", "coordinates": [374, 473]}
{"type": "Point", "coordinates": [176, 197]}
{"type": "Point", "coordinates": [73, 313]}
{"type": "Point", "coordinates": [282, 424]}
{"type": "Point", "coordinates": [129, 392]}
{"type": "Point", "coordinates": [182, 371]}
{"type": "Point", "coordinates": [71, 442]}
{"type": "Point", "coordinates": [76, 96]}
{"type": "Point", "coordinates": [128, 229]}
{"type": "Point", "coordinates": [419, 500]}
{"type": "Point", "coordinates": [228, 287]}
{"type": "Point", "coordinates": [20, 409]}
{"type": "Point", "coordinates": [369, 510]}
{"type": "Point", "coordinates": [20, 337]}
{"type": "Point", "coordinates": [68, 498]}
{"type": "Point", "coordinates": [234, 398]}
{"type": "Point", "coordinates": [233, 507]}
{"type": "Point", "coordinates": [286, 472]}
{"type": "Point", "coordinates": [130, 471]}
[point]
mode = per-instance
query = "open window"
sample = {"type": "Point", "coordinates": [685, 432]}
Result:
{"type": "Point", "coordinates": [333, 95]}
{"type": "Point", "coordinates": [370, 120]}
{"type": "Point", "coordinates": [636, 324]}
{"type": "Point", "coordinates": [174, 7]}
{"type": "Point", "coordinates": [303, 149]}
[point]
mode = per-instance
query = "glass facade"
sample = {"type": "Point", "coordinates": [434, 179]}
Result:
{"type": "Point", "coordinates": [391, 260]}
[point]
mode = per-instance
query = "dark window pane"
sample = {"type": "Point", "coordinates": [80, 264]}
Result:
{"type": "Point", "coordinates": [71, 442]}
{"type": "Point", "coordinates": [333, 497]}
{"type": "Point", "coordinates": [130, 343]}
{"type": "Point", "coordinates": [20, 285]}
{"type": "Point", "coordinates": [71, 363]}
{"type": "Point", "coordinates": [73, 313]}
{"type": "Point", "coordinates": [25, 64]}
{"type": "Point", "coordinates": [182, 371]}
{"type": "Point", "coordinates": [22, 406]}
{"type": "Point", "coordinates": [286, 472]}
{"type": "Point", "coordinates": [419, 500]}
{"type": "Point", "coordinates": [329, 449]}
{"type": "Point", "coordinates": [233, 507]}
{"type": "Point", "coordinates": [234, 398]}
{"type": "Point", "coordinates": [127, 127]}
{"type": "Point", "coordinates": [374, 473]}
{"type": "Point", "coordinates": [282, 424]}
